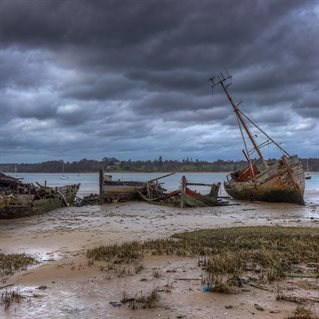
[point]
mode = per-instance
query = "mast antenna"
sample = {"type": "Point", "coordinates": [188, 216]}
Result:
{"type": "Point", "coordinates": [225, 82]}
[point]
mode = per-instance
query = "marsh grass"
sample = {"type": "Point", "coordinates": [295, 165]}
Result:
{"type": "Point", "coordinates": [148, 301]}
{"type": "Point", "coordinates": [142, 300]}
{"type": "Point", "coordinates": [10, 297]}
{"type": "Point", "coordinates": [303, 312]}
{"type": "Point", "coordinates": [157, 273]}
{"type": "Point", "coordinates": [121, 260]}
{"type": "Point", "coordinates": [221, 285]}
{"type": "Point", "coordinates": [14, 262]}
{"type": "Point", "coordinates": [269, 252]}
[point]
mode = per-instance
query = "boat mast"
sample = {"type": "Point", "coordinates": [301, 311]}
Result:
{"type": "Point", "coordinates": [220, 80]}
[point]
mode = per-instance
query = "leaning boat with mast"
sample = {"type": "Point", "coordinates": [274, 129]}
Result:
{"type": "Point", "coordinates": [282, 181]}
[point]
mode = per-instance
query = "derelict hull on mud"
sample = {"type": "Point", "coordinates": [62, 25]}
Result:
{"type": "Point", "coordinates": [24, 205]}
{"type": "Point", "coordinates": [123, 190]}
{"type": "Point", "coordinates": [191, 198]}
{"type": "Point", "coordinates": [278, 183]}
{"type": "Point", "coordinates": [185, 197]}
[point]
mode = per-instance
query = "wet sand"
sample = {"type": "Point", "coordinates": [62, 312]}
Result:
{"type": "Point", "coordinates": [59, 240]}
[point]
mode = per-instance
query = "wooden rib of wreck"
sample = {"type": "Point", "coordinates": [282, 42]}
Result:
{"type": "Point", "coordinates": [282, 181]}
{"type": "Point", "coordinates": [115, 191]}
{"type": "Point", "coordinates": [186, 197]}
{"type": "Point", "coordinates": [21, 200]}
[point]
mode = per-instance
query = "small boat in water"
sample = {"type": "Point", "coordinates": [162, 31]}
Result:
{"type": "Point", "coordinates": [21, 200]}
{"type": "Point", "coordinates": [63, 176]}
{"type": "Point", "coordinates": [308, 176]}
{"type": "Point", "coordinates": [282, 181]}
{"type": "Point", "coordinates": [16, 172]}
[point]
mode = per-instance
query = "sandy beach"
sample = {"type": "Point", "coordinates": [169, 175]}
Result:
{"type": "Point", "coordinates": [74, 289]}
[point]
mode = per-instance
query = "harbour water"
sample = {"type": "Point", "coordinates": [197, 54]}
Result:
{"type": "Point", "coordinates": [89, 181]}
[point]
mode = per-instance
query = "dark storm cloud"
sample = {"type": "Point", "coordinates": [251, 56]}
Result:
{"type": "Point", "coordinates": [103, 87]}
{"type": "Point", "coordinates": [131, 77]}
{"type": "Point", "coordinates": [308, 106]}
{"type": "Point", "coordinates": [183, 80]}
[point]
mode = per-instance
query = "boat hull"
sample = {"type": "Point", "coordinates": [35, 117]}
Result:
{"type": "Point", "coordinates": [191, 198]}
{"type": "Point", "coordinates": [123, 190]}
{"type": "Point", "coordinates": [24, 205]}
{"type": "Point", "coordinates": [283, 181]}
{"type": "Point", "coordinates": [186, 197]}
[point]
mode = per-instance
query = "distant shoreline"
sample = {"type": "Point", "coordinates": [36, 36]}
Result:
{"type": "Point", "coordinates": [119, 172]}
{"type": "Point", "coordinates": [132, 172]}
{"type": "Point", "coordinates": [114, 165]}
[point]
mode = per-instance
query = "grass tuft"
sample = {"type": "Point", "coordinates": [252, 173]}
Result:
{"type": "Point", "coordinates": [141, 300]}
{"type": "Point", "coordinates": [10, 297]}
{"type": "Point", "coordinates": [219, 285]}
{"type": "Point", "coordinates": [148, 301]}
{"type": "Point", "coordinates": [303, 312]}
{"type": "Point", "coordinates": [13, 262]}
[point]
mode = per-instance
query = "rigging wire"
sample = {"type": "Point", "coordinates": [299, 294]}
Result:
{"type": "Point", "coordinates": [262, 131]}
{"type": "Point", "coordinates": [243, 137]}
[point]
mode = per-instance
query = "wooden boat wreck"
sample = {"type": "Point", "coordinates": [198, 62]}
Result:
{"type": "Point", "coordinates": [186, 197]}
{"type": "Point", "coordinates": [115, 191]}
{"type": "Point", "coordinates": [18, 199]}
{"type": "Point", "coordinates": [282, 181]}
{"type": "Point", "coordinates": [151, 191]}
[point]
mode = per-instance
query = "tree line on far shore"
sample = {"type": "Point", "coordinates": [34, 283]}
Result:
{"type": "Point", "coordinates": [158, 165]}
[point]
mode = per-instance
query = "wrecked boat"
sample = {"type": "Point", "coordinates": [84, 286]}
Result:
{"type": "Point", "coordinates": [18, 199]}
{"type": "Point", "coordinates": [122, 191]}
{"type": "Point", "coordinates": [151, 191]}
{"type": "Point", "coordinates": [186, 197]}
{"type": "Point", "coordinates": [115, 191]}
{"type": "Point", "coordinates": [282, 181]}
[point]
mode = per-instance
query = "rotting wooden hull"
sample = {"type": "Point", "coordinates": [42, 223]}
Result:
{"type": "Point", "coordinates": [24, 205]}
{"type": "Point", "coordinates": [278, 183]}
{"type": "Point", "coordinates": [123, 190]}
{"type": "Point", "coordinates": [191, 198]}
{"type": "Point", "coordinates": [185, 197]}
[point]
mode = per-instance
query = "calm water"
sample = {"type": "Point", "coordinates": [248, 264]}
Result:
{"type": "Point", "coordinates": [89, 181]}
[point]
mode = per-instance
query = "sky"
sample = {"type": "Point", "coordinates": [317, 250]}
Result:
{"type": "Point", "coordinates": [130, 79]}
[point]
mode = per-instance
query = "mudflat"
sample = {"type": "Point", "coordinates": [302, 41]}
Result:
{"type": "Point", "coordinates": [65, 284]}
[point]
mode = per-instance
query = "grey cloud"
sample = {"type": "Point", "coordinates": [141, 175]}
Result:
{"type": "Point", "coordinates": [132, 77]}
{"type": "Point", "coordinates": [102, 87]}
{"type": "Point", "coordinates": [308, 106]}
